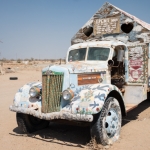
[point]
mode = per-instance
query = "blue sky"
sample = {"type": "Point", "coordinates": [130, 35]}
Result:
{"type": "Point", "coordinates": [44, 28]}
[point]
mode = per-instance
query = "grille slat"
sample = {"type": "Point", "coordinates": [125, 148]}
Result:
{"type": "Point", "coordinates": [55, 93]}
{"type": "Point", "coordinates": [49, 105]}
{"type": "Point", "coordinates": [47, 93]}
{"type": "Point", "coordinates": [58, 97]}
{"type": "Point", "coordinates": [51, 92]}
{"type": "Point", "coordinates": [44, 94]}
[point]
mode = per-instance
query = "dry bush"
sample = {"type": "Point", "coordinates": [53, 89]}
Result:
{"type": "Point", "coordinates": [4, 60]}
{"type": "Point", "coordinates": [30, 63]}
{"type": "Point", "coordinates": [19, 61]}
{"type": "Point", "coordinates": [53, 60]}
{"type": "Point", "coordinates": [92, 145]}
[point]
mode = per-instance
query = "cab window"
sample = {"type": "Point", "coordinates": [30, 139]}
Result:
{"type": "Point", "coordinates": [98, 53]}
{"type": "Point", "coordinates": [77, 55]}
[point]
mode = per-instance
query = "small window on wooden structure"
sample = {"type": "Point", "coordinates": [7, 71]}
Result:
{"type": "Point", "coordinates": [127, 28]}
{"type": "Point", "coordinates": [88, 31]}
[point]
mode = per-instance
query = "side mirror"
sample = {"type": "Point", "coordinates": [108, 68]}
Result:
{"type": "Point", "coordinates": [110, 63]}
{"type": "Point", "coordinates": [120, 55]}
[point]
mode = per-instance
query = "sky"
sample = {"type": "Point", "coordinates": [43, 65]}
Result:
{"type": "Point", "coordinates": [42, 29]}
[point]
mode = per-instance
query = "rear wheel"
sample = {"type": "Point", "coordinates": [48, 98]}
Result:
{"type": "Point", "coordinates": [106, 127]}
{"type": "Point", "coordinates": [29, 124]}
{"type": "Point", "coordinates": [148, 95]}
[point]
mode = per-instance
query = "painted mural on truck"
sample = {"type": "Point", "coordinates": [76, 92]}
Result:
{"type": "Point", "coordinates": [138, 67]}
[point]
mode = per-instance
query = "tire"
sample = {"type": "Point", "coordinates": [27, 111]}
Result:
{"type": "Point", "coordinates": [148, 95]}
{"type": "Point", "coordinates": [107, 124]}
{"type": "Point", "coordinates": [29, 124]}
{"type": "Point", "coordinates": [13, 78]}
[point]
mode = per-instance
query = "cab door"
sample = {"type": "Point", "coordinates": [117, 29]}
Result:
{"type": "Point", "coordinates": [137, 80]}
{"type": "Point", "coordinates": [138, 64]}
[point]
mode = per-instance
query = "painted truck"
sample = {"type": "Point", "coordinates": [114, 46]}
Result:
{"type": "Point", "coordinates": [107, 73]}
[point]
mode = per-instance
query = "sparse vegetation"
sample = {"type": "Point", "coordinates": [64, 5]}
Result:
{"type": "Point", "coordinates": [92, 145]}
{"type": "Point", "coordinates": [19, 60]}
{"type": "Point", "coordinates": [4, 60]}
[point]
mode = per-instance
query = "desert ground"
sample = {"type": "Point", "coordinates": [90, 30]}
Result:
{"type": "Point", "coordinates": [135, 133]}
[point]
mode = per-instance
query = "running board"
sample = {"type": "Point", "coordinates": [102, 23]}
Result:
{"type": "Point", "coordinates": [129, 107]}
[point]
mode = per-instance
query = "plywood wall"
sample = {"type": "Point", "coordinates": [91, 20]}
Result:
{"type": "Point", "coordinates": [112, 23]}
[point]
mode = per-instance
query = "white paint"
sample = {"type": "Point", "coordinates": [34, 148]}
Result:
{"type": "Point", "coordinates": [128, 20]}
{"type": "Point", "coordinates": [123, 38]}
{"type": "Point", "coordinates": [144, 36]}
{"type": "Point", "coordinates": [135, 94]}
{"type": "Point", "coordinates": [137, 28]}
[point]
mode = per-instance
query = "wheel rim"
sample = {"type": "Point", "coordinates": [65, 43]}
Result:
{"type": "Point", "coordinates": [112, 123]}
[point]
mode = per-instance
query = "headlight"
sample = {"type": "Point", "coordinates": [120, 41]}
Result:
{"type": "Point", "coordinates": [34, 91]}
{"type": "Point", "coordinates": [68, 94]}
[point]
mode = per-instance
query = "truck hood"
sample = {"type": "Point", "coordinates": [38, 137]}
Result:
{"type": "Point", "coordinates": [78, 67]}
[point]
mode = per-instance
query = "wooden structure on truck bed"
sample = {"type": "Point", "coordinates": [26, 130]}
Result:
{"type": "Point", "coordinates": [112, 23]}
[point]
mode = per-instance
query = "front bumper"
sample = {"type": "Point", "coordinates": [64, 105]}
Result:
{"type": "Point", "coordinates": [53, 115]}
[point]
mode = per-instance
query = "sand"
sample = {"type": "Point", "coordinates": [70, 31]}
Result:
{"type": "Point", "coordinates": [135, 133]}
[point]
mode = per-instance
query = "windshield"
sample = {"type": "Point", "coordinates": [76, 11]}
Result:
{"type": "Point", "coordinates": [77, 54]}
{"type": "Point", "coordinates": [98, 53]}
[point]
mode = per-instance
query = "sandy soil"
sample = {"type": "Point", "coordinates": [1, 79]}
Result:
{"type": "Point", "coordinates": [135, 134]}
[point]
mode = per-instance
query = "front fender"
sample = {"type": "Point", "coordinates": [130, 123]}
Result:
{"type": "Point", "coordinates": [90, 99]}
{"type": "Point", "coordinates": [22, 97]}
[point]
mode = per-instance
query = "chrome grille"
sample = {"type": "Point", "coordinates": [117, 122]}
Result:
{"type": "Point", "coordinates": [51, 92]}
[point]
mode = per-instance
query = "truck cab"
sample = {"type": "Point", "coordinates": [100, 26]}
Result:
{"type": "Point", "coordinates": [101, 55]}
{"type": "Point", "coordinates": [92, 80]}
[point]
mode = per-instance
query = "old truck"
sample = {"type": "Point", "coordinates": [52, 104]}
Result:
{"type": "Point", "coordinates": [107, 73]}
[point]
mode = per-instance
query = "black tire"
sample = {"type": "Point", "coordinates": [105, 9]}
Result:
{"type": "Point", "coordinates": [148, 95]}
{"type": "Point", "coordinates": [107, 125]}
{"type": "Point", "coordinates": [29, 124]}
{"type": "Point", "coordinates": [13, 78]}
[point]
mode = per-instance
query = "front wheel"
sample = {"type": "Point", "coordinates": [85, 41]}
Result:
{"type": "Point", "coordinates": [106, 128]}
{"type": "Point", "coordinates": [29, 124]}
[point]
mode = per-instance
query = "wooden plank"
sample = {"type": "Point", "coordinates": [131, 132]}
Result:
{"type": "Point", "coordinates": [107, 25]}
